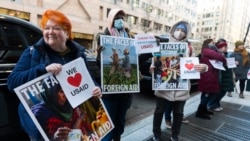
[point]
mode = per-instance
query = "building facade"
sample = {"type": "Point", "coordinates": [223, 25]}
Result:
{"type": "Point", "coordinates": [228, 19]}
{"type": "Point", "coordinates": [89, 17]}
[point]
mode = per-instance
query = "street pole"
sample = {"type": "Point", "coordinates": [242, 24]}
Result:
{"type": "Point", "coordinates": [246, 33]}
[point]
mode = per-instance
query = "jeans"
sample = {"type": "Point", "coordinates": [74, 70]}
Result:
{"type": "Point", "coordinates": [178, 107]}
{"type": "Point", "coordinates": [158, 79]}
{"type": "Point", "coordinates": [28, 125]}
{"type": "Point", "coordinates": [168, 111]}
{"type": "Point", "coordinates": [117, 106]}
{"type": "Point", "coordinates": [206, 97]}
{"type": "Point", "coordinates": [214, 101]}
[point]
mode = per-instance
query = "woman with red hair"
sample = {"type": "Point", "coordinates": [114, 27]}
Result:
{"type": "Point", "coordinates": [55, 49]}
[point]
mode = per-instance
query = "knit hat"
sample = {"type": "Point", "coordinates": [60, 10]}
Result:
{"type": "Point", "coordinates": [238, 43]}
{"type": "Point", "coordinates": [221, 45]}
{"type": "Point", "coordinates": [182, 26]}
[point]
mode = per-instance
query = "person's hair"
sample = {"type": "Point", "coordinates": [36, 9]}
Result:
{"type": "Point", "coordinates": [125, 51]}
{"type": "Point", "coordinates": [206, 42]}
{"type": "Point", "coordinates": [58, 18]}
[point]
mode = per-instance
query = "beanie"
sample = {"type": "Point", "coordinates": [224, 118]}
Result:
{"type": "Point", "coordinates": [182, 26]}
{"type": "Point", "coordinates": [221, 45]}
{"type": "Point", "coordinates": [238, 43]}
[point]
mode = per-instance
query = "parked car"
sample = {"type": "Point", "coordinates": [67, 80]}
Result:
{"type": "Point", "coordinates": [15, 35]}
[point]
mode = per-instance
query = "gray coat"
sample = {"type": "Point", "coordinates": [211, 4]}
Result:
{"type": "Point", "coordinates": [240, 70]}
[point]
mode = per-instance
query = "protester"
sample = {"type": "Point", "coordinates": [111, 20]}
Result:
{"type": "Point", "coordinates": [48, 55]}
{"type": "Point", "coordinates": [116, 104]}
{"type": "Point", "coordinates": [179, 33]}
{"type": "Point", "coordinates": [209, 81]}
{"type": "Point", "coordinates": [241, 56]}
{"type": "Point", "coordinates": [225, 79]}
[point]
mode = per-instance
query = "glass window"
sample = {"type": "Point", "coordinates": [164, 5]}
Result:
{"type": "Point", "coordinates": [16, 38]}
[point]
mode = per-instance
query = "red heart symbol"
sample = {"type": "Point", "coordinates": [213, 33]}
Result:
{"type": "Point", "coordinates": [189, 66]}
{"type": "Point", "coordinates": [75, 80]}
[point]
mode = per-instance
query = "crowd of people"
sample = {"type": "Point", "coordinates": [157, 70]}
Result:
{"type": "Point", "coordinates": [56, 48]}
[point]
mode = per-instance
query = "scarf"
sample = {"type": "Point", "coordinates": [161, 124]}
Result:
{"type": "Point", "coordinates": [121, 33]}
{"type": "Point", "coordinates": [244, 54]}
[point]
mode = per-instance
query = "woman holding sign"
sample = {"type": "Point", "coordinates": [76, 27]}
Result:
{"type": "Point", "coordinates": [55, 49]}
{"type": "Point", "coordinates": [179, 33]}
{"type": "Point", "coordinates": [116, 104]}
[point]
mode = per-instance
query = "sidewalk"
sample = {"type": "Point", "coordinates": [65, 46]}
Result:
{"type": "Point", "coordinates": [233, 107]}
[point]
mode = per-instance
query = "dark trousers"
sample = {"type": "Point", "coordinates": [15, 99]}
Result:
{"type": "Point", "coordinates": [168, 111]}
{"type": "Point", "coordinates": [242, 85]}
{"type": "Point", "coordinates": [117, 106]}
{"type": "Point", "coordinates": [178, 107]}
{"type": "Point", "coordinates": [214, 102]}
{"type": "Point", "coordinates": [206, 97]}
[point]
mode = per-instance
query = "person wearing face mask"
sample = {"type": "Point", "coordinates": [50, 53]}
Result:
{"type": "Point", "coordinates": [174, 98]}
{"type": "Point", "coordinates": [116, 104]}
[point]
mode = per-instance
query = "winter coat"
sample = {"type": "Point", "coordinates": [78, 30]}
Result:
{"type": "Point", "coordinates": [240, 71]}
{"type": "Point", "coordinates": [37, 58]}
{"type": "Point", "coordinates": [226, 78]}
{"type": "Point", "coordinates": [209, 81]}
{"type": "Point", "coordinates": [176, 95]}
{"type": "Point", "coordinates": [31, 65]}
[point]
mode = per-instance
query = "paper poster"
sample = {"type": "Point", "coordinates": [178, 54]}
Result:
{"type": "Point", "coordinates": [146, 43]}
{"type": "Point", "coordinates": [76, 82]}
{"type": "Point", "coordinates": [166, 75]}
{"type": "Point", "coordinates": [187, 68]}
{"type": "Point", "coordinates": [45, 102]}
{"type": "Point", "coordinates": [119, 65]}
{"type": "Point", "coordinates": [231, 62]}
{"type": "Point", "coordinates": [217, 64]}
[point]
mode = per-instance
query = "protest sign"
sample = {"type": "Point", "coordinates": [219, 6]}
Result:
{"type": "Point", "coordinates": [166, 75]}
{"type": "Point", "coordinates": [46, 104]}
{"type": "Point", "coordinates": [119, 65]}
{"type": "Point", "coordinates": [187, 68]}
{"type": "Point", "coordinates": [146, 43]}
{"type": "Point", "coordinates": [76, 81]}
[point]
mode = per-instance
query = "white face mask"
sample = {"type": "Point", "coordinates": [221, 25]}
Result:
{"type": "Point", "coordinates": [179, 35]}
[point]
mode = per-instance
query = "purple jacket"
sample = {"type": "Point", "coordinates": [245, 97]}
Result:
{"type": "Point", "coordinates": [209, 81]}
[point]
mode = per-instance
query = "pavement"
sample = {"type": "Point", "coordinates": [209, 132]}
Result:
{"type": "Point", "coordinates": [230, 124]}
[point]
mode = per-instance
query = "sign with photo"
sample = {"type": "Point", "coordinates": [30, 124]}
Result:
{"type": "Point", "coordinates": [50, 110]}
{"type": "Point", "coordinates": [166, 74]}
{"type": "Point", "coordinates": [119, 65]}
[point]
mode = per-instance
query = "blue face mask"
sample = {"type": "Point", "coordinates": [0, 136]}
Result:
{"type": "Point", "coordinates": [119, 23]}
